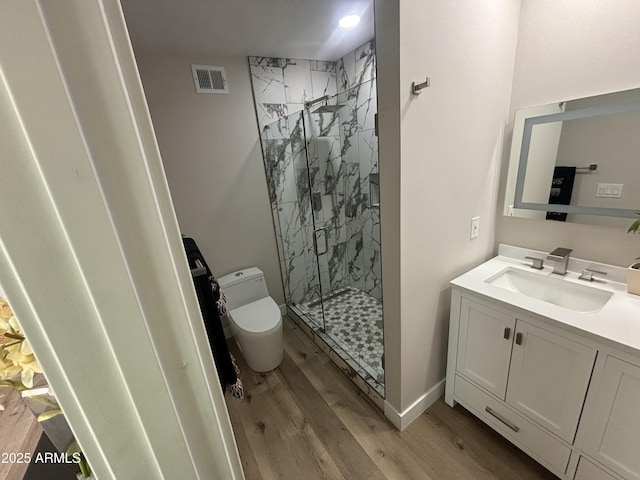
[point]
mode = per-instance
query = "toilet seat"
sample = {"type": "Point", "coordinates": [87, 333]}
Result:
{"type": "Point", "coordinates": [260, 317]}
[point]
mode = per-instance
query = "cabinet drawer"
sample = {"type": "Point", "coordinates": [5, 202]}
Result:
{"type": "Point", "coordinates": [531, 438]}
{"type": "Point", "coordinates": [589, 471]}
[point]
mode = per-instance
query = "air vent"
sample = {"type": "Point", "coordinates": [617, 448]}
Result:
{"type": "Point", "coordinates": [210, 79]}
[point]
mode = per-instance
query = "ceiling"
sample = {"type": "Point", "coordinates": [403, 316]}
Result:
{"type": "Point", "coordinates": [267, 28]}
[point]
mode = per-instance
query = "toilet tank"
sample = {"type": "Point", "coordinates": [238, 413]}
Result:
{"type": "Point", "coordinates": [243, 287]}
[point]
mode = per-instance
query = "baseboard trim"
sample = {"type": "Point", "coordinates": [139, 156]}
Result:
{"type": "Point", "coordinates": [404, 419]}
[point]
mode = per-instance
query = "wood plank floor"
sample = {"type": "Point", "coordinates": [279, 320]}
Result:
{"type": "Point", "coordinates": [307, 420]}
{"type": "Point", "coordinates": [19, 433]}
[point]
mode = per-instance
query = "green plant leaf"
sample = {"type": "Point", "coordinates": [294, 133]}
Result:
{"type": "Point", "coordinates": [634, 226]}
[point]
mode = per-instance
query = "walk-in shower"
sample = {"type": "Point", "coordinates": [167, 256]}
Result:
{"type": "Point", "coordinates": [322, 171]}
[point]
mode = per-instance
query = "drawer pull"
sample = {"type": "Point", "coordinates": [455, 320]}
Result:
{"type": "Point", "coordinates": [518, 338]}
{"type": "Point", "coordinates": [507, 333]}
{"type": "Point", "coordinates": [513, 427]}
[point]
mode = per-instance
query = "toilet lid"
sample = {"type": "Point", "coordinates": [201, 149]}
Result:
{"type": "Point", "coordinates": [257, 317]}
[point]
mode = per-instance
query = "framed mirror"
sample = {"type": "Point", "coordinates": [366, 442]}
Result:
{"type": "Point", "coordinates": [577, 160]}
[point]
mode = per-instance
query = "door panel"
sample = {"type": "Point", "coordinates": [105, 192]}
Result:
{"type": "Point", "coordinates": [613, 436]}
{"type": "Point", "coordinates": [484, 348]}
{"type": "Point", "coordinates": [549, 378]}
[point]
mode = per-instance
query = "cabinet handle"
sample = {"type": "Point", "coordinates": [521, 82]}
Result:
{"type": "Point", "coordinates": [513, 427]}
{"type": "Point", "coordinates": [518, 338]}
{"type": "Point", "coordinates": [507, 333]}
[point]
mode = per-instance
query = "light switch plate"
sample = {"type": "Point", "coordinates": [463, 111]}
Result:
{"type": "Point", "coordinates": [475, 227]}
{"type": "Point", "coordinates": [609, 190]}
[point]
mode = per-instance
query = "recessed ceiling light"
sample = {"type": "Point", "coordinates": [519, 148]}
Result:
{"type": "Point", "coordinates": [349, 21]}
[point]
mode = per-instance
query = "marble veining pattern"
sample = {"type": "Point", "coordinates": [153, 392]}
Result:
{"type": "Point", "coordinates": [353, 186]}
{"type": "Point", "coordinates": [323, 83]}
{"type": "Point", "coordinates": [322, 66]}
{"type": "Point", "coordinates": [267, 61]}
{"type": "Point", "coordinates": [282, 85]}
{"type": "Point", "coordinates": [356, 67]}
{"type": "Point", "coordinates": [268, 84]}
{"type": "Point", "coordinates": [270, 112]}
{"type": "Point", "coordinates": [279, 170]}
{"type": "Point", "coordinates": [297, 81]}
{"type": "Point", "coordinates": [355, 258]}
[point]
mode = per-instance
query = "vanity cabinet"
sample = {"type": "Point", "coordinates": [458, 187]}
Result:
{"type": "Point", "coordinates": [541, 374]}
{"type": "Point", "coordinates": [612, 419]}
{"type": "Point", "coordinates": [551, 364]}
{"type": "Point", "coordinates": [527, 380]}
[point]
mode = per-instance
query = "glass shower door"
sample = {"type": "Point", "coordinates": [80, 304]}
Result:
{"type": "Point", "coordinates": [291, 177]}
{"type": "Point", "coordinates": [327, 183]}
{"type": "Point", "coordinates": [346, 206]}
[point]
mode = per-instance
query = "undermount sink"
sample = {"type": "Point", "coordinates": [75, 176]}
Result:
{"type": "Point", "coordinates": [557, 291]}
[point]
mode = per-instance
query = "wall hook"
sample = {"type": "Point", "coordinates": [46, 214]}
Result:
{"type": "Point", "coordinates": [415, 88]}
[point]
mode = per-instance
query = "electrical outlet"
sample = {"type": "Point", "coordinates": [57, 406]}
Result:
{"type": "Point", "coordinates": [475, 227]}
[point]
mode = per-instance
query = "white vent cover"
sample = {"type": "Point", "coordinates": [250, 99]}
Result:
{"type": "Point", "coordinates": [210, 79]}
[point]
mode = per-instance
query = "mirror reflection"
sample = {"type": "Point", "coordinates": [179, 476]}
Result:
{"type": "Point", "coordinates": [581, 156]}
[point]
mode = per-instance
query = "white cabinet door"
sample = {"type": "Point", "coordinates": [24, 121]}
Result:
{"type": "Point", "coordinates": [613, 432]}
{"type": "Point", "coordinates": [484, 346]}
{"type": "Point", "coordinates": [548, 378]}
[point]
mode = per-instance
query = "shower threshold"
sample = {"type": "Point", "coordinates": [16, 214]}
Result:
{"type": "Point", "coordinates": [353, 333]}
{"type": "Point", "coordinates": [331, 296]}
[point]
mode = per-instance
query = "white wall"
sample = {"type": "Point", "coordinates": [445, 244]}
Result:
{"type": "Point", "coordinates": [211, 152]}
{"type": "Point", "coordinates": [387, 17]}
{"type": "Point", "coordinates": [567, 50]}
{"type": "Point", "coordinates": [450, 145]}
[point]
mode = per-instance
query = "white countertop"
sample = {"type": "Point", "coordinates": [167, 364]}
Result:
{"type": "Point", "coordinates": [618, 321]}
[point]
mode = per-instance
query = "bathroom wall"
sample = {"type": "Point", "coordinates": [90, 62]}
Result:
{"type": "Point", "coordinates": [211, 153]}
{"type": "Point", "coordinates": [438, 171]}
{"type": "Point", "coordinates": [557, 59]}
{"type": "Point", "coordinates": [342, 154]}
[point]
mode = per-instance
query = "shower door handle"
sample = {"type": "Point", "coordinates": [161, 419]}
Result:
{"type": "Point", "coordinates": [320, 235]}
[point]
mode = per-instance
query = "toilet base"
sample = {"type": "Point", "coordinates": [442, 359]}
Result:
{"type": "Point", "coordinates": [262, 352]}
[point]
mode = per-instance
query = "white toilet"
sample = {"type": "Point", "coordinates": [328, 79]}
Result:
{"type": "Point", "coordinates": [256, 321]}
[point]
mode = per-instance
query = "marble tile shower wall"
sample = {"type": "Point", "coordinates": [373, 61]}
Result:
{"type": "Point", "coordinates": [342, 152]}
{"type": "Point", "coordinates": [359, 152]}
{"type": "Point", "coordinates": [287, 178]}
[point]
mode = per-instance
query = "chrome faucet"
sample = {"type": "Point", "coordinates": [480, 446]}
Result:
{"type": "Point", "coordinates": [561, 258]}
